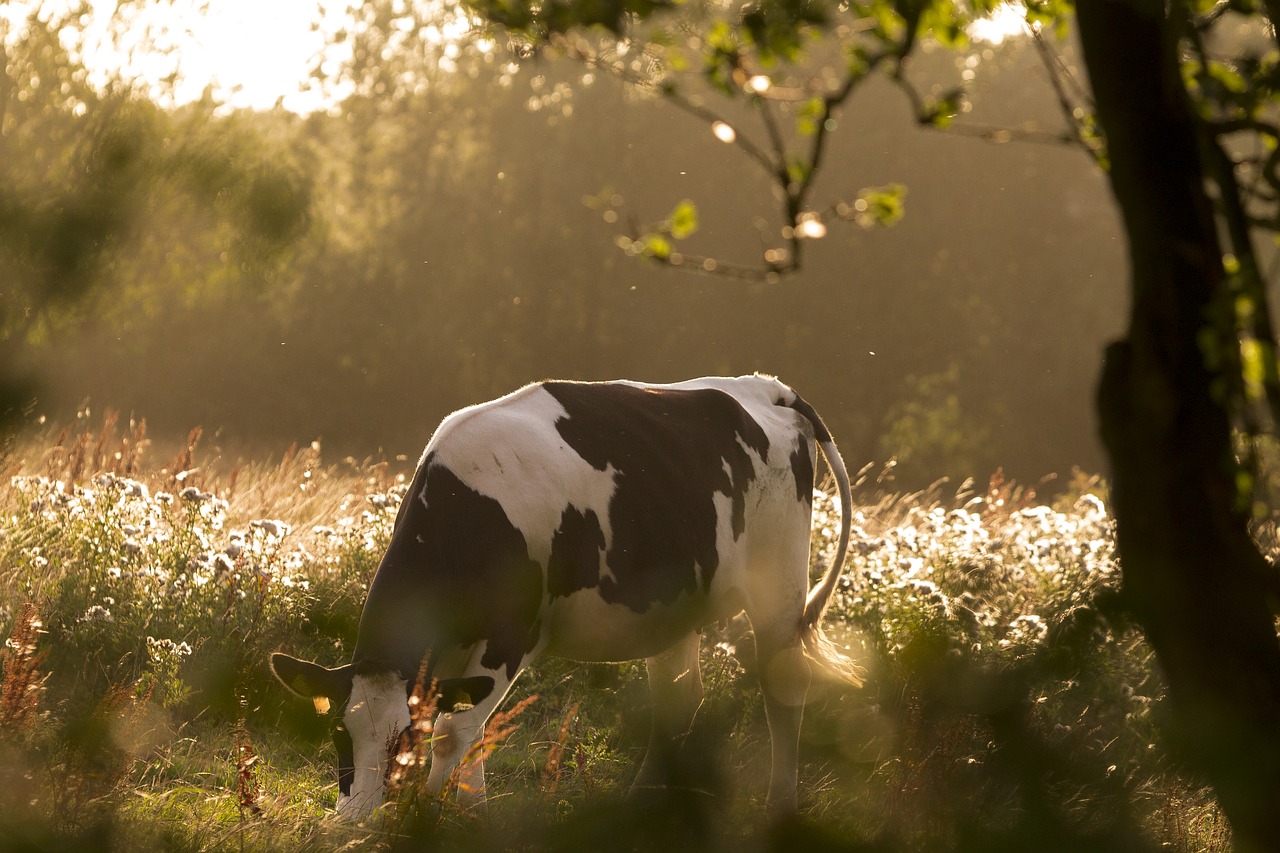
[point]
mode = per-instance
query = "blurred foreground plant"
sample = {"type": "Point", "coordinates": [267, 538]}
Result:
{"type": "Point", "coordinates": [21, 682]}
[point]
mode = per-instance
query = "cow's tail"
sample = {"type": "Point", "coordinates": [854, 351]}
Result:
{"type": "Point", "coordinates": [817, 646]}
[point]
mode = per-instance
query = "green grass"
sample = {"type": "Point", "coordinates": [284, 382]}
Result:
{"type": "Point", "coordinates": [1007, 703]}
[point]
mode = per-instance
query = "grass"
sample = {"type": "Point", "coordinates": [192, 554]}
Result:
{"type": "Point", "coordinates": [1008, 704]}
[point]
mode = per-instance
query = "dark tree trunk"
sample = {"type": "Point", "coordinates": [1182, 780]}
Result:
{"type": "Point", "coordinates": [1193, 577]}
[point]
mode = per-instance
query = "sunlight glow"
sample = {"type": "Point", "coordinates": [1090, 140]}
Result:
{"type": "Point", "coordinates": [245, 52]}
{"type": "Point", "coordinates": [810, 227]}
{"type": "Point", "coordinates": [1006, 21]}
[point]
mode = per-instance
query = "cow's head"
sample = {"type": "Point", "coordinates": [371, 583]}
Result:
{"type": "Point", "coordinates": [373, 710]}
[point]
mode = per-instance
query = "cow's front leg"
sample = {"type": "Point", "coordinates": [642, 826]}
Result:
{"type": "Point", "coordinates": [675, 687]}
{"type": "Point", "coordinates": [455, 749]}
{"type": "Point", "coordinates": [456, 740]}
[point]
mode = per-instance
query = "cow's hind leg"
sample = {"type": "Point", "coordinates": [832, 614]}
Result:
{"type": "Point", "coordinates": [784, 682]}
{"type": "Point", "coordinates": [675, 687]}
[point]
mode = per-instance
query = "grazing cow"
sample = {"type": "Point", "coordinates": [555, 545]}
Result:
{"type": "Point", "coordinates": [598, 522]}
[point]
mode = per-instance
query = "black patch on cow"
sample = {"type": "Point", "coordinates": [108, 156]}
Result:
{"type": "Point", "coordinates": [576, 551]}
{"type": "Point", "coordinates": [802, 469]}
{"type": "Point", "coordinates": [670, 450]}
{"type": "Point", "coordinates": [820, 431]}
{"type": "Point", "coordinates": [457, 572]}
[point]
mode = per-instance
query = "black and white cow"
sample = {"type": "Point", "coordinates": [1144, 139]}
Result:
{"type": "Point", "coordinates": [598, 522]}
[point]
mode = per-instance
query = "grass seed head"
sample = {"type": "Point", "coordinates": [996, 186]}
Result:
{"type": "Point", "coordinates": [21, 682]}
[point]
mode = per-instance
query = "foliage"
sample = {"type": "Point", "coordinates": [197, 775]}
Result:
{"type": "Point", "coordinates": [792, 67]}
{"type": "Point", "coordinates": [96, 179]}
{"type": "Point", "coordinates": [149, 583]}
{"type": "Point", "coordinates": [443, 247]}
{"type": "Point", "coordinates": [927, 431]}
{"type": "Point", "coordinates": [755, 58]}
{"type": "Point", "coordinates": [1002, 684]}
{"type": "Point", "coordinates": [1187, 94]}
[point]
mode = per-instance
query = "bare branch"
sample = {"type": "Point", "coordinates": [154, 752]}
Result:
{"type": "Point", "coordinates": [576, 50]}
{"type": "Point", "coordinates": [1208, 19]}
{"type": "Point", "coordinates": [765, 273]}
{"type": "Point", "coordinates": [1058, 73]}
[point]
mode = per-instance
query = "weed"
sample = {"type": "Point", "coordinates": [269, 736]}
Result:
{"type": "Point", "coordinates": [409, 763]}
{"type": "Point", "coordinates": [248, 790]}
{"type": "Point", "coordinates": [552, 767]}
{"type": "Point", "coordinates": [21, 683]}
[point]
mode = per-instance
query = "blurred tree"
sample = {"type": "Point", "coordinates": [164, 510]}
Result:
{"type": "Point", "coordinates": [929, 433]}
{"type": "Point", "coordinates": [100, 186]}
{"type": "Point", "coordinates": [1186, 94]}
{"type": "Point", "coordinates": [449, 254]}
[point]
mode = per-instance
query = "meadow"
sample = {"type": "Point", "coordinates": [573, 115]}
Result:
{"type": "Point", "coordinates": [1008, 701]}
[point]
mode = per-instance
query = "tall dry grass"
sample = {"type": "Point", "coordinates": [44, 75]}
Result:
{"type": "Point", "coordinates": [141, 590]}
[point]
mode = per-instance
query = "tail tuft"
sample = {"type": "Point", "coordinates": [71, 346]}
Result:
{"type": "Point", "coordinates": [826, 654]}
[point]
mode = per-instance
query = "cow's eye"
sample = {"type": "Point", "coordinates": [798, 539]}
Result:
{"type": "Point", "coordinates": [346, 758]}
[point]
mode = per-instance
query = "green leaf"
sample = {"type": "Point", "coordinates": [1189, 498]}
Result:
{"type": "Point", "coordinates": [946, 23]}
{"type": "Point", "coordinates": [723, 56]}
{"type": "Point", "coordinates": [798, 170]}
{"type": "Point", "coordinates": [657, 246]}
{"type": "Point", "coordinates": [884, 206]}
{"type": "Point", "coordinates": [888, 26]}
{"type": "Point", "coordinates": [809, 116]}
{"type": "Point", "coordinates": [943, 111]}
{"type": "Point", "coordinates": [1253, 364]}
{"type": "Point", "coordinates": [780, 28]}
{"type": "Point", "coordinates": [683, 221]}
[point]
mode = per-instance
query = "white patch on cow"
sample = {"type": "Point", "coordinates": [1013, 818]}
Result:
{"type": "Point", "coordinates": [510, 450]}
{"type": "Point", "coordinates": [375, 715]}
{"type": "Point", "coordinates": [727, 547]}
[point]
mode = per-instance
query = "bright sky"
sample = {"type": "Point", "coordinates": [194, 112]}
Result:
{"type": "Point", "coordinates": [1008, 19]}
{"type": "Point", "coordinates": [255, 52]}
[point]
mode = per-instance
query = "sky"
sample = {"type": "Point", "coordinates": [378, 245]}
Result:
{"type": "Point", "coordinates": [252, 52]}
{"type": "Point", "coordinates": [257, 52]}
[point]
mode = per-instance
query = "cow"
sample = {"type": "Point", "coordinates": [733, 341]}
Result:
{"type": "Point", "coordinates": [595, 521]}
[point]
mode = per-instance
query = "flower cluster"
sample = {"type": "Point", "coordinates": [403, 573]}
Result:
{"type": "Point", "coordinates": [979, 577]}
{"type": "Point", "coordinates": [121, 562]}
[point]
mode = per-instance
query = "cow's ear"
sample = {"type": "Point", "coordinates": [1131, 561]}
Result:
{"type": "Point", "coordinates": [313, 681]}
{"type": "Point", "coordinates": [459, 694]}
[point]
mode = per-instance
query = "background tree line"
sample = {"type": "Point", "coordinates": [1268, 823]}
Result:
{"type": "Point", "coordinates": [443, 238]}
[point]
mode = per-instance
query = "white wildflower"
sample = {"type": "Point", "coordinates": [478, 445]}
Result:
{"type": "Point", "coordinates": [272, 527]}
{"type": "Point", "coordinates": [194, 495]}
{"type": "Point", "coordinates": [97, 613]}
{"type": "Point", "coordinates": [223, 564]}
{"type": "Point", "coordinates": [134, 489]}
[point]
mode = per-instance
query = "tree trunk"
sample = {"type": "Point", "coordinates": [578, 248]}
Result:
{"type": "Point", "coordinates": [1193, 577]}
